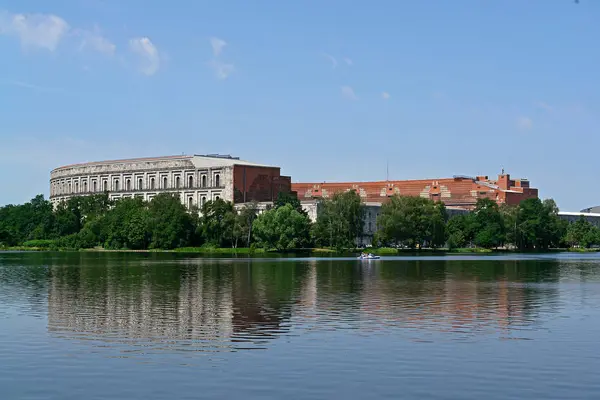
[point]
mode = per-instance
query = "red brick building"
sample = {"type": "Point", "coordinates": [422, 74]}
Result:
{"type": "Point", "coordinates": [258, 183]}
{"type": "Point", "coordinates": [458, 191]}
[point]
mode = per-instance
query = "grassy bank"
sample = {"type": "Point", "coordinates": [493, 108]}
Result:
{"type": "Point", "coordinates": [581, 250]}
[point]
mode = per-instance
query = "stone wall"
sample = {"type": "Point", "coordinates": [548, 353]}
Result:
{"type": "Point", "coordinates": [144, 178]}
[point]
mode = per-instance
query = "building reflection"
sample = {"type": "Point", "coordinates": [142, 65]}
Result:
{"type": "Point", "coordinates": [457, 297]}
{"type": "Point", "coordinates": [228, 305]}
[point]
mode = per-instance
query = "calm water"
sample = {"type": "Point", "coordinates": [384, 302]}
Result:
{"type": "Point", "coordinates": [131, 326]}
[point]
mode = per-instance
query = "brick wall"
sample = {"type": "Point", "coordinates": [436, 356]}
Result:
{"type": "Point", "coordinates": [459, 191]}
{"type": "Point", "coordinates": [258, 183]}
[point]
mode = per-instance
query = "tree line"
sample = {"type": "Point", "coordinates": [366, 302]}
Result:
{"type": "Point", "coordinates": [165, 223]}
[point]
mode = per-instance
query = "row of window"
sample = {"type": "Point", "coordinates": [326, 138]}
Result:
{"type": "Point", "coordinates": [202, 201]}
{"type": "Point", "coordinates": [190, 200]}
{"type": "Point", "coordinates": [140, 185]}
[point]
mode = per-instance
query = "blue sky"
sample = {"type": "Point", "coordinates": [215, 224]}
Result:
{"type": "Point", "coordinates": [328, 90]}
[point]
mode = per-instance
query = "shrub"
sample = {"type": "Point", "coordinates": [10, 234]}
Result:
{"type": "Point", "coordinates": [39, 243]}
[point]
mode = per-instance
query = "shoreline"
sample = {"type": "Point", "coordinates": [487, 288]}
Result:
{"type": "Point", "coordinates": [309, 251]}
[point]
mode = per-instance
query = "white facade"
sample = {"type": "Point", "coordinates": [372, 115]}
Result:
{"type": "Point", "coordinates": [572, 217]}
{"type": "Point", "coordinates": [196, 179]}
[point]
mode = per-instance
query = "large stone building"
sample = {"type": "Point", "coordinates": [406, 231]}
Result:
{"type": "Point", "coordinates": [197, 179]}
{"type": "Point", "coordinates": [458, 191]}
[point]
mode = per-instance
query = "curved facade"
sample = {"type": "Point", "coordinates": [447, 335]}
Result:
{"type": "Point", "coordinates": [196, 178]}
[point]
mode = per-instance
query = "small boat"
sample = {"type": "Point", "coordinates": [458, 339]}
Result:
{"type": "Point", "coordinates": [368, 257]}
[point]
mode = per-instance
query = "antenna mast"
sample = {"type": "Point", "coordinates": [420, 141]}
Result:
{"type": "Point", "coordinates": [387, 170]}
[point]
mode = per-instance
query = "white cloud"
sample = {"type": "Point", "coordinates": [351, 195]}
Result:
{"type": "Point", "coordinates": [34, 30]}
{"type": "Point", "coordinates": [148, 53]}
{"type": "Point", "coordinates": [331, 59]}
{"type": "Point", "coordinates": [524, 123]}
{"type": "Point", "coordinates": [544, 106]}
{"type": "Point", "coordinates": [31, 86]}
{"type": "Point", "coordinates": [222, 70]}
{"type": "Point", "coordinates": [348, 93]}
{"type": "Point", "coordinates": [217, 45]}
{"type": "Point", "coordinates": [348, 61]}
{"type": "Point", "coordinates": [94, 41]}
{"type": "Point", "coordinates": [385, 95]}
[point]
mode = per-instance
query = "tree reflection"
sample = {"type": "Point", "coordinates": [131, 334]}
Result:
{"type": "Point", "coordinates": [168, 302]}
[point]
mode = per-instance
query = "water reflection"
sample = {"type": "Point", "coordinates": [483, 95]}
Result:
{"type": "Point", "coordinates": [151, 303]}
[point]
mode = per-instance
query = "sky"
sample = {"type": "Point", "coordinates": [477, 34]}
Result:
{"type": "Point", "coordinates": [328, 90]}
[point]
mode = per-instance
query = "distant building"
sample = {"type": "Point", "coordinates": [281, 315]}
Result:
{"type": "Point", "coordinates": [571, 217]}
{"type": "Point", "coordinates": [459, 191]}
{"type": "Point", "coordinates": [372, 209]}
{"type": "Point", "coordinates": [197, 179]}
{"type": "Point", "coordinates": [593, 210]}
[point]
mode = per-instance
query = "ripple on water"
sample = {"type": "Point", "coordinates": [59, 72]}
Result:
{"type": "Point", "coordinates": [300, 328]}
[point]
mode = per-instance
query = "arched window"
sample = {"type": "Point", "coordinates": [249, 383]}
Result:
{"type": "Point", "coordinates": [203, 181]}
{"type": "Point", "coordinates": [95, 185]}
{"type": "Point", "coordinates": [116, 185]}
{"type": "Point", "coordinates": [177, 182]}
{"type": "Point", "coordinates": [203, 200]}
{"type": "Point", "coordinates": [140, 184]}
{"type": "Point", "coordinates": [128, 184]}
{"type": "Point", "coordinates": [76, 187]}
{"type": "Point", "coordinates": [191, 181]}
{"type": "Point", "coordinates": [190, 203]}
{"type": "Point", "coordinates": [165, 182]}
{"type": "Point", "coordinates": [217, 180]}
{"type": "Point", "coordinates": [85, 187]}
{"type": "Point", "coordinates": [70, 187]}
{"type": "Point", "coordinates": [105, 186]}
{"type": "Point", "coordinates": [152, 183]}
{"type": "Point", "coordinates": [217, 197]}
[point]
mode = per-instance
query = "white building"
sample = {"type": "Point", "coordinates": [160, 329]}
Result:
{"type": "Point", "coordinates": [571, 217]}
{"type": "Point", "coordinates": [196, 178]}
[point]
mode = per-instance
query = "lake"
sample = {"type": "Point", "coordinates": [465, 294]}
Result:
{"type": "Point", "coordinates": [169, 326]}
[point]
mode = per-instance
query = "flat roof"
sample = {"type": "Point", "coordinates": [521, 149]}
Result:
{"type": "Point", "coordinates": [577, 214]}
{"type": "Point", "coordinates": [214, 159]}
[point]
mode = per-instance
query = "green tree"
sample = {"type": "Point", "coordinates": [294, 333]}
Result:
{"type": "Point", "coordinates": [282, 228]}
{"type": "Point", "coordinates": [510, 214]}
{"type": "Point", "coordinates": [127, 225]}
{"type": "Point", "coordinates": [30, 221]}
{"type": "Point", "coordinates": [412, 221]}
{"type": "Point", "coordinates": [538, 225]}
{"type": "Point", "coordinates": [340, 221]}
{"type": "Point", "coordinates": [582, 233]}
{"type": "Point", "coordinates": [460, 231]}
{"type": "Point", "coordinates": [68, 217]}
{"type": "Point", "coordinates": [218, 222]}
{"type": "Point", "coordinates": [170, 224]}
{"type": "Point", "coordinates": [488, 224]}
{"type": "Point", "coordinates": [95, 206]}
{"type": "Point", "coordinates": [244, 221]}
{"type": "Point", "coordinates": [284, 198]}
